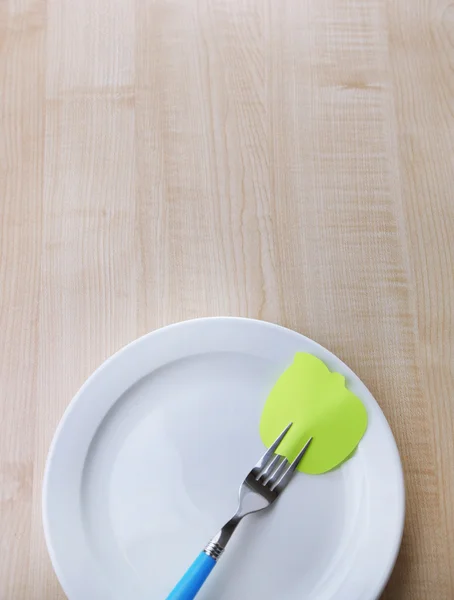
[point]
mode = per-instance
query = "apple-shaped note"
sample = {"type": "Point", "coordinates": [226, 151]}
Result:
{"type": "Point", "coordinates": [319, 405]}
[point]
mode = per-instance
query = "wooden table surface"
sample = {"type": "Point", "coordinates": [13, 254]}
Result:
{"type": "Point", "coordinates": [287, 160]}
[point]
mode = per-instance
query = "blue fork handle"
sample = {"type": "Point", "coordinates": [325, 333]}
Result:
{"type": "Point", "coordinates": [189, 585]}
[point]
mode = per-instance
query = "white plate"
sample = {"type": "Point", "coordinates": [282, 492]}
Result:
{"type": "Point", "coordinates": [147, 460]}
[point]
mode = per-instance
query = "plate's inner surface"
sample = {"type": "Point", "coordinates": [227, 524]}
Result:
{"type": "Point", "coordinates": [162, 476]}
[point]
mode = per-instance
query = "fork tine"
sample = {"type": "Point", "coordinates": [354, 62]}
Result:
{"type": "Point", "coordinates": [267, 472]}
{"type": "Point", "coordinates": [270, 452]}
{"type": "Point", "coordinates": [277, 473]}
{"type": "Point", "coordinates": [283, 481]}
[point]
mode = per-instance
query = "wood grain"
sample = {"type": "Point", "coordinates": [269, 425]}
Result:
{"type": "Point", "coordinates": [291, 161]}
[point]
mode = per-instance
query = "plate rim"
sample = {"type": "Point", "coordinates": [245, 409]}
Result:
{"type": "Point", "coordinates": [394, 552]}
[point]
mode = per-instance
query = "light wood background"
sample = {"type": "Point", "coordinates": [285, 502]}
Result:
{"type": "Point", "coordinates": [288, 160]}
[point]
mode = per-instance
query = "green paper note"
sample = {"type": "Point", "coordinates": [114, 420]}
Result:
{"type": "Point", "coordinates": [318, 404]}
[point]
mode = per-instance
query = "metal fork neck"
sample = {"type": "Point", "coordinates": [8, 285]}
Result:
{"type": "Point", "coordinates": [217, 545]}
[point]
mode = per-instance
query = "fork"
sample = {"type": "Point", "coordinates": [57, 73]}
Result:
{"type": "Point", "coordinates": [261, 488]}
